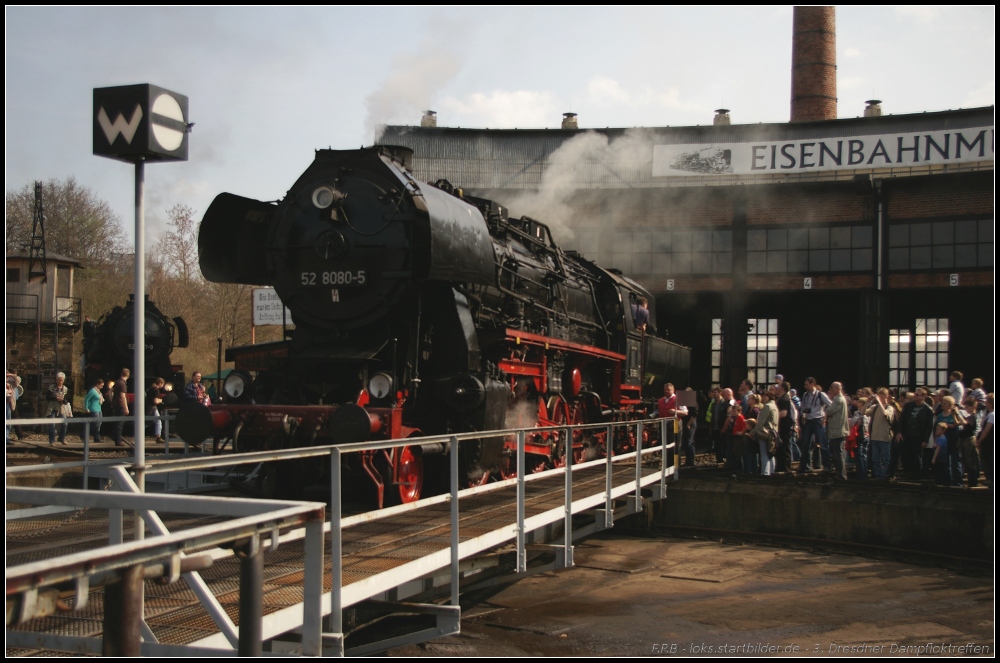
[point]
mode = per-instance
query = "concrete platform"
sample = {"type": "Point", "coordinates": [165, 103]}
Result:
{"type": "Point", "coordinates": [641, 596]}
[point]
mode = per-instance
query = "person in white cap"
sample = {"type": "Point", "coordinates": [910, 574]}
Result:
{"type": "Point", "coordinates": [60, 404]}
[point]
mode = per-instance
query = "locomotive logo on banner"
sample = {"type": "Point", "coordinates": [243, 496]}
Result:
{"type": "Point", "coordinates": [805, 155]}
{"type": "Point", "coordinates": [140, 122]}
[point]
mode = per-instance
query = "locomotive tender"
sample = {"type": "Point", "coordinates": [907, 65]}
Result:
{"type": "Point", "coordinates": [419, 310]}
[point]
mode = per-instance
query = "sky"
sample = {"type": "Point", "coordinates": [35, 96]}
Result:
{"type": "Point", "coordinates": [267, 86]}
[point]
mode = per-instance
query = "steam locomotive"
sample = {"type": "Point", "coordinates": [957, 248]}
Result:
{"type": "Point", "coordinates": [419, 310]}
{"type": "Point", "coordinates": [108, 344]}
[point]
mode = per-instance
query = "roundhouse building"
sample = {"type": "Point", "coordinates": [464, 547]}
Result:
{"type": "Point", "coordinates": [857, 249]}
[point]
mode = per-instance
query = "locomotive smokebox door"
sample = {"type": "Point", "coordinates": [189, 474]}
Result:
{"type": "Point", "coordinates": [140, 123]}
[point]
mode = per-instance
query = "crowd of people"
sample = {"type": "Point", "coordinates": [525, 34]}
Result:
{"type": "Point", "coordinates": [944, 435]}
{"type": "Point", "coordinates": [104, 399]}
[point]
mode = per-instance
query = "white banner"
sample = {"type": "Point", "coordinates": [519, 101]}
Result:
{"type": "Point", "coordinates": [835, 153]}
{"type": "Point", "coordinates": [267, 308]}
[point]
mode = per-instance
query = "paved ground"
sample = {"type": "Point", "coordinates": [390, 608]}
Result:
{"type": "Point", "coordinates": [631, 596]}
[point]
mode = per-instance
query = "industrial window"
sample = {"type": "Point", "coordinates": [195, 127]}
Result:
{"type": "Point", "coordinates": [656, 252]}
{"type": "Point", "coordinates": [716, 352]}
{"type": "Point", "coordinates": [899, 359]}
{"type": "Point", "coordinates": [930, 352]}
{"type": "Point", "coordinates": [918, 356]}
{"type": "Point", "coordinates": [675, 252]}
{"type": "Point", "coordinates": [13, 275]}
{"type": "Point", "coordinates": [762, 349]}
{"type": "Point", "coordinates": [805, 250]}
{"type": "Point", "coordinates": [941, 245]}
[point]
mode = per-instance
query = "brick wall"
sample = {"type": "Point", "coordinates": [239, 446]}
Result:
{"type": "Point", "coordinates": [794, 282]}
{"type": "Point", "coordinates": [942, 195]}
{"type": "Point", "coordinates": [672, 208]}
{"type": "Point", "coordinates": [803, 205]}
{"type": "Point", "coordinates": [940, 280]}
{"type": "Point", "coordinates": [690, 284]}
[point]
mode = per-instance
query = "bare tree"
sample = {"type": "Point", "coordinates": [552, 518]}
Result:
{"type": "Point", "coordinates": [231, 305]}
{"type": "Point", "coordinates": [78, 224]}
{"type": "Point", "coordinates": [177, 248]}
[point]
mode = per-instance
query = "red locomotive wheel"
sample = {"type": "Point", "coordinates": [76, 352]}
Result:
{"type": "Point", "coordinates": [409, 475]}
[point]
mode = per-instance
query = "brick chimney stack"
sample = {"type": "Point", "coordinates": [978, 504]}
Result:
{"type": "Point", "coordinates": [814, 64]}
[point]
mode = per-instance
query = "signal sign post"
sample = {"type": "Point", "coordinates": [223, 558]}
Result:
{"type": "Point", "coordinates": [136, 124]}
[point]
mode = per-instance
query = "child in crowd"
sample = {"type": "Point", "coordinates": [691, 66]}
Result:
{"type": "Point", "coordinates": [940, 459]}
{"type": "Point", "coordinates": [739, 426]}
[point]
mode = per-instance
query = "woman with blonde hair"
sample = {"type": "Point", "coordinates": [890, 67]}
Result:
{"type": "Point", "coordinates": [952, 419]}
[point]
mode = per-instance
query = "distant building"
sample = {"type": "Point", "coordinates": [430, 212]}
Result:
{"type": "Point", "coordinates": [42, 317]}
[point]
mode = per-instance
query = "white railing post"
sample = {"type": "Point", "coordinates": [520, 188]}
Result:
{"type": "Point", "coordinates": [638, 466]}
{"type": "Point", "coordinates": [86, 453]}
{"type": "Point", "coordinates": [336, 621]}
{"type": "Point", "coordinates": [312, 598]}
{"type": "Point", "coordinates": [568, 523]}
{"type": "Point", "coordinates": [663, 458]}
{"type": "Point", "coordinates": [522, 557]}
{"type": "Point", "coordinates": [609, 450]}
{"type": "Point", "coordinates": [454, 521]}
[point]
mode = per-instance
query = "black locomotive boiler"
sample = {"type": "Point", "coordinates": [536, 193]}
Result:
{"type": "Point", "coordinates": [108, 345]}
{"type": "Point", "coordinates": [419, 310]}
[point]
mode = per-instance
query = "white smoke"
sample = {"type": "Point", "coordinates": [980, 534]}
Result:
{"type": "Point", "coordinates": [522, 413]}
{"type": "Point", "coordinates": [414, 82]}
{"type": "Point", "coordinates": [587, 161]}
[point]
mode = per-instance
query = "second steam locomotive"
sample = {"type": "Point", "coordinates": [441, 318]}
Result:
{"type": "Point", "coordinates": [109, 344]}
{"type": "Point", "coordinates": [419, 310]}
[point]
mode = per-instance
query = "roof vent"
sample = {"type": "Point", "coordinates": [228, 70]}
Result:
{"type": "Point", "coordinates": [430, 119]}
{"type": "Point", "coordinates": [721, 117]}
{"type": "Point", "coordinates": [874, 108]}
{"type": "Point", "coordinates": [569, 121]}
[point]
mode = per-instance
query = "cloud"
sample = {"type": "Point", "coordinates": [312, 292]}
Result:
{"type": "Point", "coordinates": [672, 99]}
{"type": "Point", "coordinates": [851, 82]}
{"type": "Point", "coordinates": [984, 95]}
{"type": "Point", "coordinates": [918, 14]}
{"type": "Point", "coordinates": [502, 109]}
{"type": "Point", "coordinates": [607, 92]}
{"type": "Point", "coordinates": [604, 91]}
{"type": "Point", "coordinates": [852, 53]}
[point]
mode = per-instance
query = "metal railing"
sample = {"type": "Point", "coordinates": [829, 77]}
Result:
{"type": "Point", "coordinates": [340, 597]}
{"type": "Point", "coordinates": [86, 423]}
{"type": "Point", "coordinates": [33, 589]}
{"type": "Point", "coordinates": [68, 311]}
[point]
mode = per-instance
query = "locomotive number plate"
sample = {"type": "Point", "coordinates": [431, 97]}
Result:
{"type": "Point", "coordinates": [347, 277]}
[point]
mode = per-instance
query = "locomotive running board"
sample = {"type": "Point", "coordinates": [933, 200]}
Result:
{"type": "Point", "coordinates": [519, 337]}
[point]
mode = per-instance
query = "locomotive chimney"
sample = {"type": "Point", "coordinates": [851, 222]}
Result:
{"type": "Point", "coordinates": [569, 121]}
{"type": "Point", "coordinates": [814, 64]}
{"type": "Point", "coordinates": [721, 117]}
{"type": "Point", "coordinates": [874, 108]}
{"type": "Point", "coordinates": [430, 119]}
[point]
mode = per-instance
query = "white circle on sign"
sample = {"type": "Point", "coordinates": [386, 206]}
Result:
{"type": "Point", "coordinates": [169, 139]}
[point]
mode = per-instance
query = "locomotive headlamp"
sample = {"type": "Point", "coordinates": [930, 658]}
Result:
{"type": "Point", "coordinates": [380, 385]}
{"type": "Point", "coordinates": [323, 197]}
{"type": "Point", "coordinates": [326, 196]}
{"type": "Point", "coordinates": [236, 386]}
